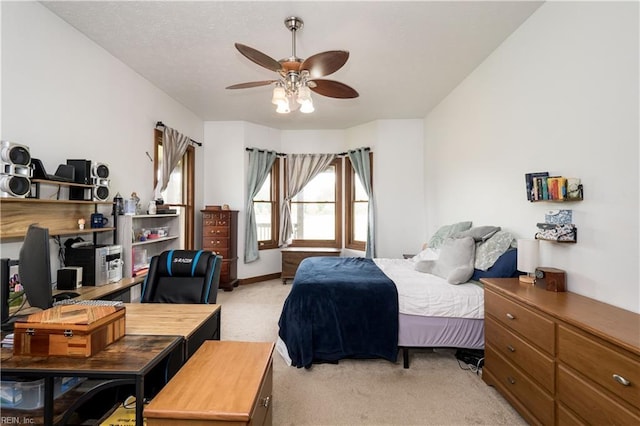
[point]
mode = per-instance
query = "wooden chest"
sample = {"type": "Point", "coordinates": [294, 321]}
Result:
{"type": "Point", "coordinates": [292, 256]}
{"type": "Point", "coordinates": [69, 330]}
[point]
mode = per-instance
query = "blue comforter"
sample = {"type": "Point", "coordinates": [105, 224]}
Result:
{"type": "Point", "coordinates": [340, 307]}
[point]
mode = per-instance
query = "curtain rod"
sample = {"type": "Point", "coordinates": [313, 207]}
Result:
{"type": "Point", "coordinates": [161, 124]}
{"type": "Point", "coordinates": [279, 154]}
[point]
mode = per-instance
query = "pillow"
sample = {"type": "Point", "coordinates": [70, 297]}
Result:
{"type": "Point", "coordinates": [478, 233]}
{"type": "Point", "coordinates": [489, 251]}
{"type": "Point", "coordinates": [505, 267]}
{"type": "Point", "coordinates": [426, 254]}
{"type": "Point", "coordinates": [455, 263]}
{"type": "Point", "coordinates": [445, 232]}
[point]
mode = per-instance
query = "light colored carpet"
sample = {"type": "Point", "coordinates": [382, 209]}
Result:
{"type": "Point", "coordinates": [433, 391]}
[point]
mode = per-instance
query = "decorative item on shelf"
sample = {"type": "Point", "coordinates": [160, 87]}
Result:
{"type": "Point", "coordinates": [152, 207]}
{"type": "Point", "coordinates": [528, 251]}
{"type": "Point", "coordinates": [118, 205]}
{"type": "Point", "coordinates": [558, 217]}
{"type": "Point", "coordinates": [561, 233]}
{"type": "Point", "coordinates": [551, 279]}
{"type": "Point", "coordinates": [574, 189]}
{"type": "Point", "coordinates": [98, 220]}
{"type": "Point", "coordinates": [81, 223]}
{"type": "Point", "coordinates": [225, 207]}
{"type": "Point", "coordinates": [213, 207]}
{"type": "Point", "coordinates": [136, 200]}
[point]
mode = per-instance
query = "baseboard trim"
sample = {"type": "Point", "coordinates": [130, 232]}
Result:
{"type": "Point", "coordinates": [259, 278]}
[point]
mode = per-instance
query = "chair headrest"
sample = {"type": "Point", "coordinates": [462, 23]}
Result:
{"type": "Point", "coordinates": [183, 263]}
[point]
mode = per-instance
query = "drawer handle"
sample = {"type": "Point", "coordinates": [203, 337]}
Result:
{"type": "Point", "coordinates": [510, 316]}
{"type": "Point", "coordinates": [511, 380]}
{"type": "Point", "coordinates": [266, 401]}
{"type": "Point", "coordinates": [621, 380]}
{"type": "Point", "coordinates": [511, 348]}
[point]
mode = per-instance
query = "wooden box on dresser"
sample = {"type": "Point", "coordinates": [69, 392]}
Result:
{"type": "Point", "coordinates": [561, 358]}
{"type": "Point", "coordinates": [220, 234]}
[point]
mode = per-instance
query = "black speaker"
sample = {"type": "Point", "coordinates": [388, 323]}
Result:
{"type": "Point", "coordinates": [15, 170]}
{"type": "Point", "coordinates": [69, 278]}
{"type": "Point", "coordinates": [83, 171]}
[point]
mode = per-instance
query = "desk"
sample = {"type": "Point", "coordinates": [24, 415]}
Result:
{"type": "Point", "coordinates": [194, 322]}
{"type": "Point", "coordinates": [126, 361]}
{"type": "Point", "coordinates": [185, 326]}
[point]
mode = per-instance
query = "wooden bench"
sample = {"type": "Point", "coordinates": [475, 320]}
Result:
{"type": "Point", "coordinates": [223, 383]}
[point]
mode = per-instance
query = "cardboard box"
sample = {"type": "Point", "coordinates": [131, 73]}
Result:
{"type": "Point", "coordinates": [69, 330]}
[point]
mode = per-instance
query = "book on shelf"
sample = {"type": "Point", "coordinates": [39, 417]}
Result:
{"type": "Point", "coordinates": [533, 183]}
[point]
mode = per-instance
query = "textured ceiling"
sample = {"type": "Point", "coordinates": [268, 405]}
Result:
{"type": "Point", "coordinates": [405, 57]}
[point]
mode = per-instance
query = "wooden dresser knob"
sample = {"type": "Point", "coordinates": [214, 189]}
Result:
{"type": "Point", "coordinates": [510, 316]}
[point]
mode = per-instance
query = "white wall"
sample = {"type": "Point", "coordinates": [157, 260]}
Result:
{"type": "Point", "coordinates": [559, 95]}
{"type": "Point", "coordinates": [65, 97]}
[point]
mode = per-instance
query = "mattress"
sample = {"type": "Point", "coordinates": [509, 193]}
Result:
{"type": "Point", "coordinates": [427, 295]}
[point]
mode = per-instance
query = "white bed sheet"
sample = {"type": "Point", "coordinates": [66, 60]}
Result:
{"type": "Point", "coordinates": [424, 294]}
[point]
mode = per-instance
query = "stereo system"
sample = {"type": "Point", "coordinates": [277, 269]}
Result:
{"type": "Point", "coordinates": [100, 264]}
{"type": "Point", "coordinates": [90, 173]}
{"type": "Point", "coordinates": [16, 170]}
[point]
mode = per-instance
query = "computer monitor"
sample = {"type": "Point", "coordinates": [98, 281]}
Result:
{"type": "Point", "coordinates": [35, 267]}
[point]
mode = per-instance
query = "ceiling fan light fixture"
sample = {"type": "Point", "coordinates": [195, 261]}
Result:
{"type": "Point", "coordinates": [279, 95]}
{"type": "Point", "coordinates": [283, 107]}
{"type": "Point", "coordinates": [307, 107]}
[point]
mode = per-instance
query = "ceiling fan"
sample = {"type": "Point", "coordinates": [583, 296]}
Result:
{"type": "Point", "coordinates": [298, 76]}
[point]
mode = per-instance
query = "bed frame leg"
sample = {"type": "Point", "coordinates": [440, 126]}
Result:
{"type": "Point", "coordinates": [405, 357]}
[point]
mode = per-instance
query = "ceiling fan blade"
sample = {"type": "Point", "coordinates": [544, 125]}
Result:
{"type": "Point", "coordinates": [333, 89]}
{"type": "Point", "coordinates": [251, 84]}
{"type": "Point", "coordinates": [325, 63]}
{"type": "Point", "coordinates": [258, 57]}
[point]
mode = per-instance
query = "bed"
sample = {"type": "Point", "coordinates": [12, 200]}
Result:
{"type": "Point", "coordinates": [346, 307]}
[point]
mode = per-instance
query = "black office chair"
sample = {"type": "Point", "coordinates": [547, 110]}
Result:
{"type": "Point", "coordinates": [182, 276]}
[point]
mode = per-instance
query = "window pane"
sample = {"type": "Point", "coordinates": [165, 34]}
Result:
{"type": "Point", "coordinates": [173, 192]}
{"type": "Point", "coordinates": [313, 221]}
{"type": "Point", "coordinates": [265, 191]}
{"type": "Point", "coordinates": [361, 194]}
{"type": "Point", "coordinates": [321, 188]}
{"type": "Point", "coordinates": [360, 220]}
{"type": "Point", "coordinates": [263, 220]}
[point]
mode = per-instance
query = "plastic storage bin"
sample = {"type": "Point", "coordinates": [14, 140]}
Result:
{"type": "Point", "coordinates": [29, 395]}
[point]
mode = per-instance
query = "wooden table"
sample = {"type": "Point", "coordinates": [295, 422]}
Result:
{"type": "Point", "coordinates": [240, 375]}
{"type": "Point", "coordinates": [194, 322]}
{"type": "Point", "coordinates": [292, 256]}
{"type": "Point", "coordinates": [126, 361]}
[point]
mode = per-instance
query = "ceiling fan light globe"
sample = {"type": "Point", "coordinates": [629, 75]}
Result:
{"type": "Point", "coordinates": [283, 107]}
{"type": "Point", "coordinates": [307, 107]}
{"type": "Point", "coordinates": [279, 95]}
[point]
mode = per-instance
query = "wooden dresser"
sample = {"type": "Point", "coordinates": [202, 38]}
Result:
{"type": "Point", "coordinates": [292, 256]}
{"type": "Point", "coordinates": [220, 234]}
{"type": "Point", "coordinates": [561, 358]}
{"type": "Point", "coordinates": [224, 383]}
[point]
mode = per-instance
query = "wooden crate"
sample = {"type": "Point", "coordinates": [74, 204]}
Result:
{"type": "Point", "coordinates": [69, 330]}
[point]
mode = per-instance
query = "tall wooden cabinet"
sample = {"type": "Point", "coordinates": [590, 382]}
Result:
{"type": "Point", "coordinates": [220, 235]}
{"type": "Point", "coordinates": [561, 358]}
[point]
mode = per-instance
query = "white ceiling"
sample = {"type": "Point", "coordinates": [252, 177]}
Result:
{"type": "Point", "coordinates": [405, 57]}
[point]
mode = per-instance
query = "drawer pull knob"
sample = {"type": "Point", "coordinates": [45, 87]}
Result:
{"type": "Point", "coordinates": [511, 348]}
{"type": "Point", "coordinates": [621, 380]}
{"type": "Point", "coordinates": [510, 316]}
{"type": "Point", "coordinates": [511, 380]}
{"type": "Point", "coordinates": [266, 401]}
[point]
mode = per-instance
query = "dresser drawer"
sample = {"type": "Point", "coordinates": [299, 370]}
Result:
{"type": "Point", "coordinates": [215, 231]}
{"type": "Point", "coordinates": [536, 328]}
{"type": "Point", "coordinates": [215, 243]}
{"type": "Point", "coordinates": [537, 401]}
{"type": "Point", "coordinates": [590, 403]}
{"type": "Point", "coordinates": [220, 218]}
{"type": "Point", "coordinates": [601, 364]}
{"type": "Point", "coordinates": [523, 355]}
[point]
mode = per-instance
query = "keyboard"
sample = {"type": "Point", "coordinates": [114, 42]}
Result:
{"type": "Point", "coordinates": [89, 302]}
